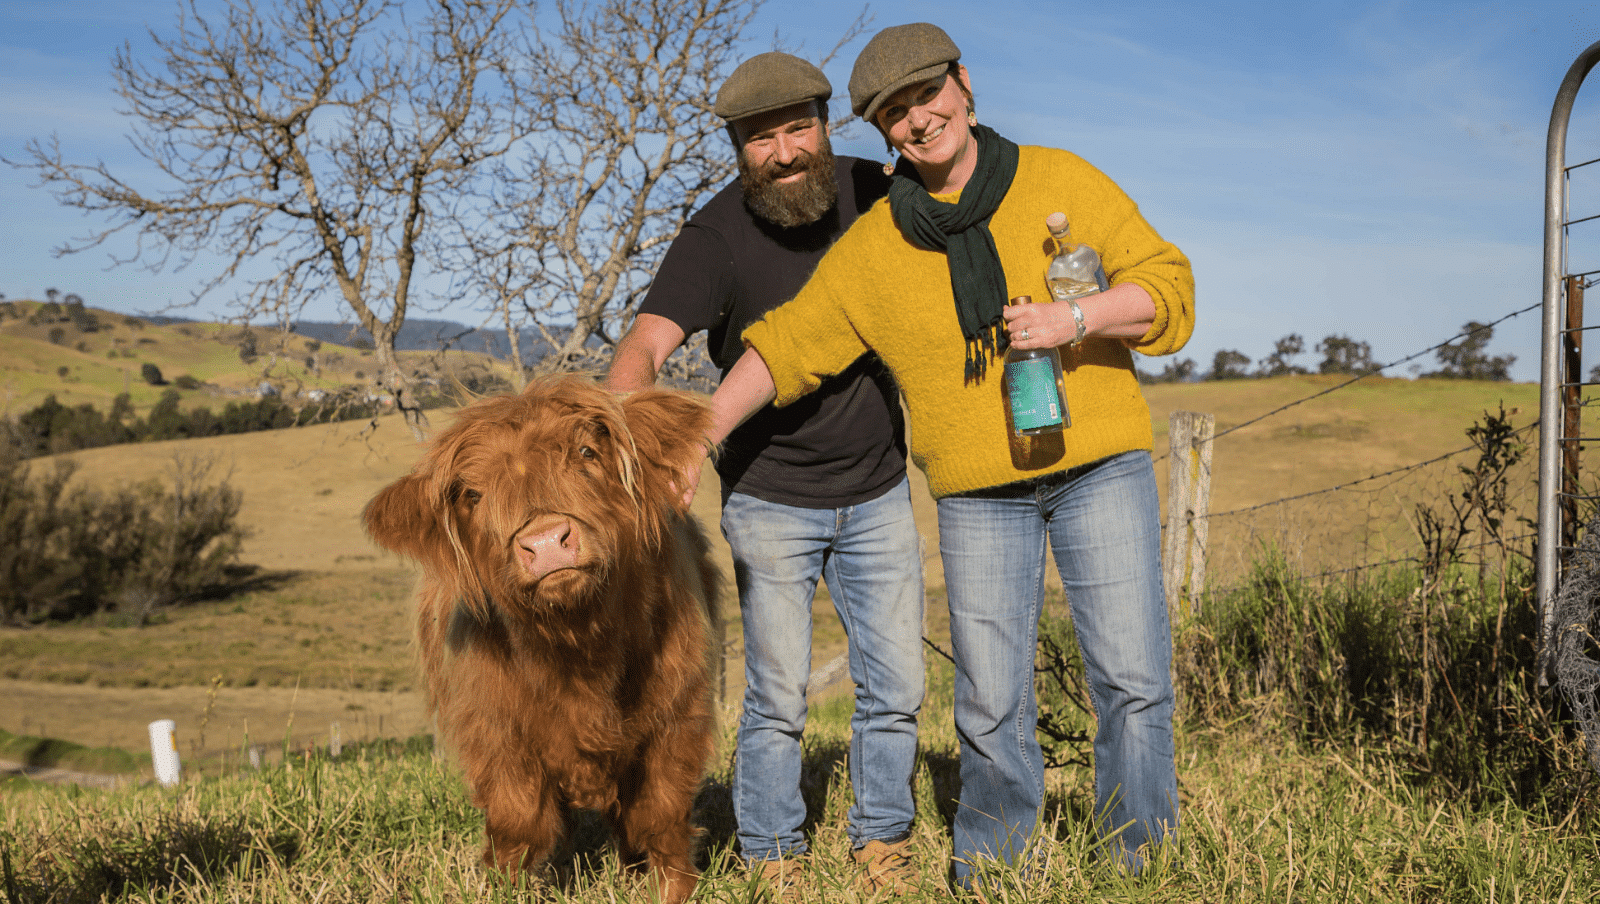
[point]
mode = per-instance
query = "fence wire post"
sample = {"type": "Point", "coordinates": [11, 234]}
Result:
{"type": "Point", "coordinates": [1183, 554]}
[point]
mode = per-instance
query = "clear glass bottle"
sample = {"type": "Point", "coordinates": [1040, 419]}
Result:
{"type": "Point", "coordinates": [1075, 270]}
{"type": "Point", "coordinates": [1034, 391]}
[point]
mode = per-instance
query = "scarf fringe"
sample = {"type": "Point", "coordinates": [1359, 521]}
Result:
{"type": "Point", "coordinates": [989, 344]}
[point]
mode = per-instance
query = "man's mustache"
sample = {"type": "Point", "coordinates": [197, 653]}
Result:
{"type": "Point", "coordinates": [775, 170]}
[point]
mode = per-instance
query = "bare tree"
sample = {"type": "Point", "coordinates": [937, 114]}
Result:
{"type": "Point", "coordinates": [328, 139]}
{"type": "Point", "coordinates": [625, 148]}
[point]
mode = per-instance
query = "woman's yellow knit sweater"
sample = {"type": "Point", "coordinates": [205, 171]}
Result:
{"type": "Point", "coordinates": [874, 291]}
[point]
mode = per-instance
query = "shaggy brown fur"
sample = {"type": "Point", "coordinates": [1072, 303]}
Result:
{"type": "Point", "coordinates": [562, 617]}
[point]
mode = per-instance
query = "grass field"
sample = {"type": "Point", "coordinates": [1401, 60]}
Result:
{"type": "Point", "coordinates": [1266, 819]}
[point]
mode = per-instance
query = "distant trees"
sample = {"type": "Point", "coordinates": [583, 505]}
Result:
{"type": "Point", "coordinates": [247, 346]}
{"type": "Point", "coordinates": [1343, 355]}
{"type": "Point", "coordinates": [52, 428]}
{"type": "Point", "coordinates": [151, 374]}
{"type": "Point", "coordinates": [1465, 359]}
{"type": "Point", "coordinates": [1179, 370]}
{"type": "Point", "coordinates": [1281, 361]}
{"type": "Point", "coordinates": [1228, 364]}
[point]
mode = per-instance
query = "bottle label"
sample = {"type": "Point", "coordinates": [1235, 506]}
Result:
{"type": "Point", "coordinates": [1032, 388]}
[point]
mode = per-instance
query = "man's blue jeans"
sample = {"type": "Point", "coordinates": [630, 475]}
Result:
{"type": "Point", "coordinates": [872, 560]}
{"type": "Point", "coordinates": [1102, 522]}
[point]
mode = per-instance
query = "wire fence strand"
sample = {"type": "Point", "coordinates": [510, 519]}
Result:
{"type": "Point", "coordinates": [1392, 512]}
{"type": "Point", "coordinates": [1374, 372]}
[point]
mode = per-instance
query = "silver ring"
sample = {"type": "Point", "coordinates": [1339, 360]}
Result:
{"type": "Point", "coordinates": [1024, 335]}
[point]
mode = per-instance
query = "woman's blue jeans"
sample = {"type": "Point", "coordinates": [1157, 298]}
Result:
{"type": "Point", "coordinates": [871, 557]}
{"type": "Point", "coordinates": [1102, 523]}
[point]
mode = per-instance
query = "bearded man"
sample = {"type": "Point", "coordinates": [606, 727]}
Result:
{"type": "Point", "coordinates": [816, 489]}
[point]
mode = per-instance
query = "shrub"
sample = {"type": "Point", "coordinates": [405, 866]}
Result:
{"type": "Point", "coordinates": [66, 554]}
{"type": "Point", "coordinates": [151, 374]}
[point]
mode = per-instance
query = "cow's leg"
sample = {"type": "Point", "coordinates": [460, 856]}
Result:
{"type": "Point", "coordinates": [656, 799]}
{"type": "Point", "coordinates": [523, 823]}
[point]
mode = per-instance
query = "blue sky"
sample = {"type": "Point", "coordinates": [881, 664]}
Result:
{"type": "Point", "coordinates": [1371, 169]}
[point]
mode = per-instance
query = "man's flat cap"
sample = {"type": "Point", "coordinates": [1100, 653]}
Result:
{"type": "Point", "coordinates": [898, 56]}
{"type": "Point", "coordinates": [770, 81]}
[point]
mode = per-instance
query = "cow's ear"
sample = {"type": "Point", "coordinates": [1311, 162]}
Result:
{"type": "Point", "coordinates": [404, 518]}
{"type": "Point", "coordinates": [669, 435]}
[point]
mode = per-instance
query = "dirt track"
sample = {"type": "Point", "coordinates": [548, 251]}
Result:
{"type": "Point", "coordinates": [206, 729]}
{"type": "Point", "coordinates": [51, 775]}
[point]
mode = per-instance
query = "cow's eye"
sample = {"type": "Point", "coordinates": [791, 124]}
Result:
{"type": "Point", "coordinates": [587, 453]}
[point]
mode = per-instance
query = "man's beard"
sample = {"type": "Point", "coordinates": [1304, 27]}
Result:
{"type": "Point", "coordinates": [794, 204]}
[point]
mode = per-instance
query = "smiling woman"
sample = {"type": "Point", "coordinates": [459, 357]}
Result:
{"type": "Point", "coordinates": [930, 123]}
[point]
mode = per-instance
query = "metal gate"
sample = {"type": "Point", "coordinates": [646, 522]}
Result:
{"type": "Point", "coordinates": [1561, 379]}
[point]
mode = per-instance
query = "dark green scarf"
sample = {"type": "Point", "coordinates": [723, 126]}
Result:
{"type": "Point", "coordinates": [961, 231]}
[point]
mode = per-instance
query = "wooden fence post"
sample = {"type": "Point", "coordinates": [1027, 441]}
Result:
{"type": "Point", "coordinates": [1572, 411]}
{"type": "Point", "coordinates": [1183, 551]}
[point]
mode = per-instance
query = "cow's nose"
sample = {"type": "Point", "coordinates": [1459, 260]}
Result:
{"type": "Point", "coordinates": [548, 545]}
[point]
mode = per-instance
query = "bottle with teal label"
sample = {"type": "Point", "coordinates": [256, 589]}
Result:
{"type": "Point", "coordinates": [1034, 391]}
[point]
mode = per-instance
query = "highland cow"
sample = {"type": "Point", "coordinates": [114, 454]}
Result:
{"type": "Point", "coordinates": [562, 619]}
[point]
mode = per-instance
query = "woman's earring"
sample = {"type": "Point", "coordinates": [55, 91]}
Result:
{"type": "Point", "coordinates": [972, 118]}
{"type": "Point", "coordinates": [888, 166]}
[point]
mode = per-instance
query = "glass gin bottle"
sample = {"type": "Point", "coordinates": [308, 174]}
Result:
{"type": "Point", "coordinates": [1074, 270]}
{"type": "Point", "coordinates": [1035, 394]}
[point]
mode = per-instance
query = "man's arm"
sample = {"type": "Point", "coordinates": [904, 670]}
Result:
{"type": "Point", "coordinates": [640, 354]}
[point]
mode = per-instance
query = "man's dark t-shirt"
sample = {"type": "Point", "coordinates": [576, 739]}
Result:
{"type": "Point", "coordinates": [841, 445]}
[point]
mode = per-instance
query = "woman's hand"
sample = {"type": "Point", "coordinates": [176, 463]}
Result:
{"type": "Point", "coordinates": [688, 479]}
{"type": "Point", "coordinates": [1043, 324]}
{"type": "Point", "coordinates": [1124, 311]}
{"type": "Point", "coordinates": [746, 389]}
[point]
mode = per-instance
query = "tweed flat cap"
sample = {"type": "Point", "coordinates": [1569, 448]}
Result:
{"type": "Point", "coordinates": [898, 56]}
{"type": "Point", "coordinates": [770, 81]}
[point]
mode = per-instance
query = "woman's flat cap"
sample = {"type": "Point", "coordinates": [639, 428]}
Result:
{"type": "Point", "coordinates": [898, 56]}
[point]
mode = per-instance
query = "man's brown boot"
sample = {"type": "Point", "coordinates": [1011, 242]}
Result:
{"type": "Point", "coordinates": [887, 867]}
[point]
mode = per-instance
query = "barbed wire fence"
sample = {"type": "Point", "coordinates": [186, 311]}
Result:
{"type": "Point", "coordinates": [1382, 519]}
{"type": "Point", "coordinates": [1474, 506]}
